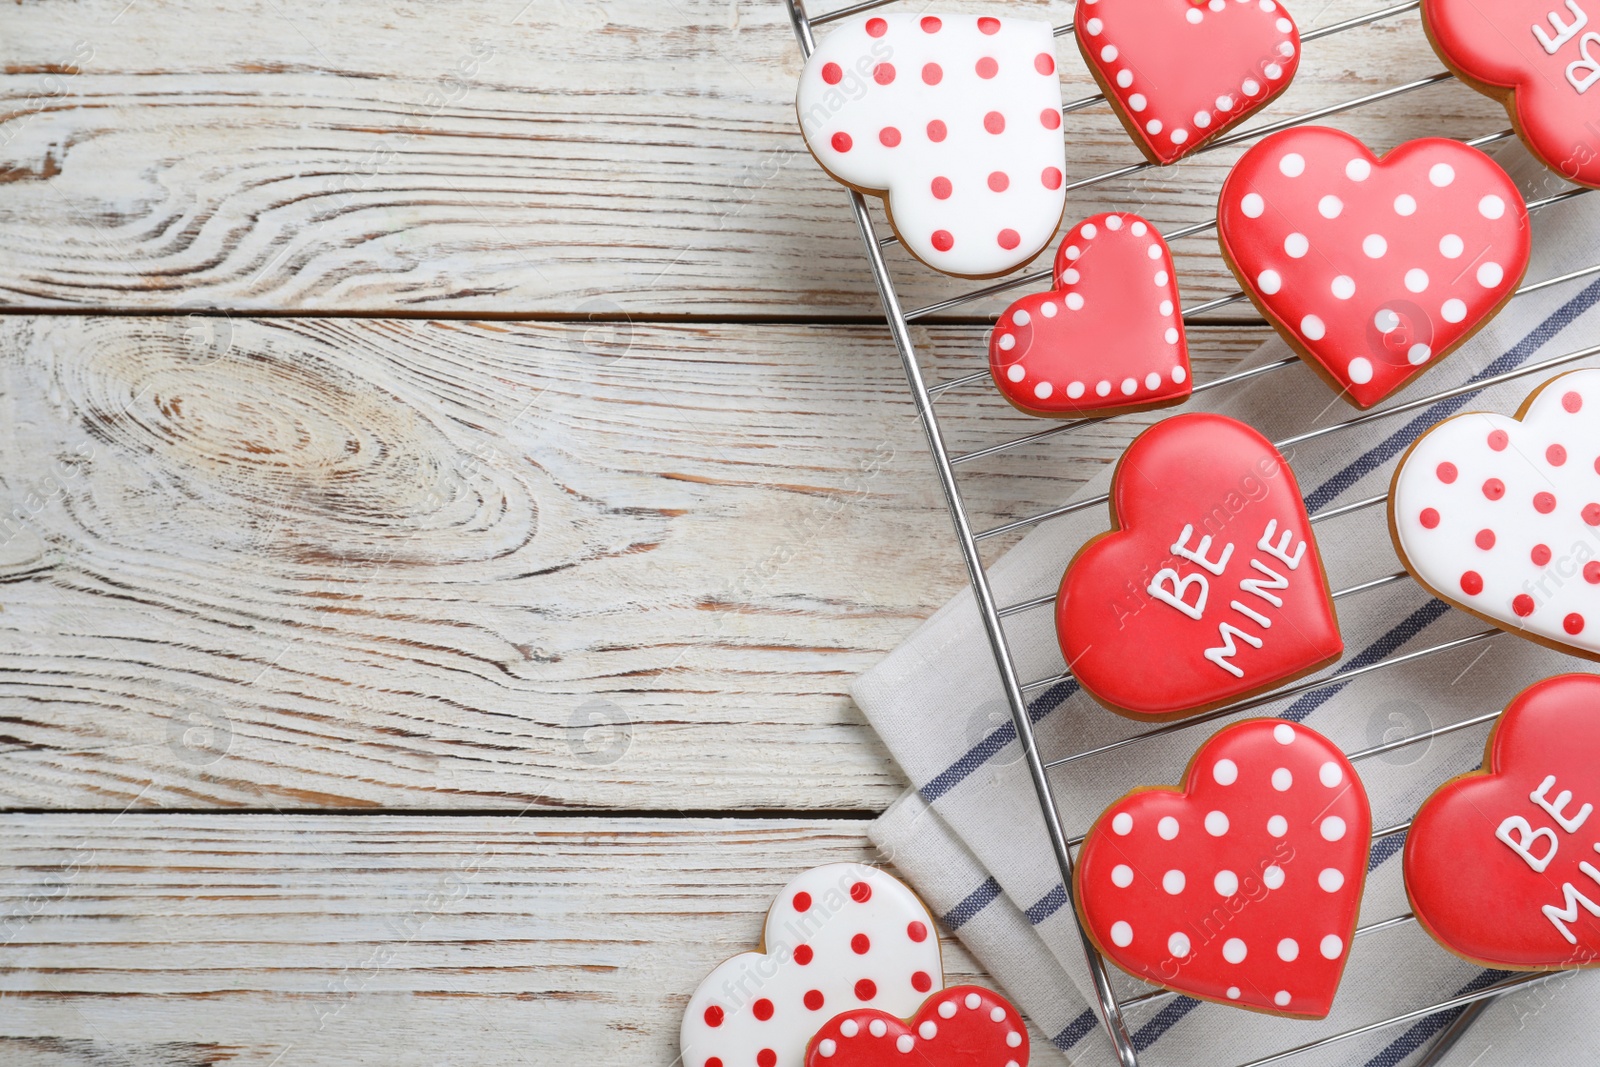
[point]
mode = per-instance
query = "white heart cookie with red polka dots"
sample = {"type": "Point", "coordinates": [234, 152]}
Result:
{"type": "Point", "coordinates": [837, 937]}
{"type": "Point", "coordinates": [956, 120]}
{"type": "Point", "coordinates": [1372, 269]}
{"type": "Point", "coordinates": [1500, 515]}
{"type": "Point", "coordinates": [1243, 887]}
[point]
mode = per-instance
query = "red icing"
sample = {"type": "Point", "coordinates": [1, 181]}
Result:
{"type": "Point", "coordinates": [1472, 890]}
{"type": "Point", "coordinates": [1495, 46]}
{"type": "Point", "coordinates": [860, 892]}
{"type": "Point", "coordinates": [1266, 841]}
{"type": "Point", "coordinates": [1136, 652]}
{"type": "Point", "coordinates": [1103, 322]}
{"type": "Point", "coordinates": [866, 989]}
{"type": "Point", "coordinates": [1173, 61]}
{"type": "Point", "coordinates": [955, 1027]}
{"type": "Point", "coordinates": [1374, 268]}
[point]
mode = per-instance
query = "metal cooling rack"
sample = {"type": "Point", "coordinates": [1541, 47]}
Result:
{"type": "Point", "coordinates": [898, 319]}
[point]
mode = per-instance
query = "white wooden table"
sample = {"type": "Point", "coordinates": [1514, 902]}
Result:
{"type": "Point", "coordinates": [450, 476]}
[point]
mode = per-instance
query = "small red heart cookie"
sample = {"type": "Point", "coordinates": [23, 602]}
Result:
{"type": "Point", "coordinates": [1242, 887]}
{"type": "Point", "coordinates": [1501, 864]}
{"type": "Point", "coordinates": [1109, 336]}
{"type": "Point", "coordinates": [1209, 586]}
{"type": "Point", "coordinates": [963, 1026]}
{"type": "Point", "coordinates": [1180, 72]}
{"type": "Point", "coordinates": [1500, 515]}
{"type": "Point", "coordinates": [1372, 269]}
{"type": "Point", "coordinates": [1539, 58]}
{"type": "Point", "coordinates": [837, 937]}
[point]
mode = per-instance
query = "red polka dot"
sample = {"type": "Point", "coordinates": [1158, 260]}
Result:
{"type": "Point", "coordinates": [1540, 555]}
{"type": "Point", "coordinates": [1494, 489]}
{"type": "Point", "coordinates": [1009, 239]}
{"type": "Point", "coordinates": [936, 131]}
{"type": "Point", "coordinates": [932, 73]}
{"type": "Point", "coordinates": [989, 26]}
{"type": "Point", "coordinates": [1544, 503]}
{"type": "Point", "coordinates": [1050, 118]}
{"type": "Point", "coordinates": [861, 892]}
{"type": "Point", "coordinates": [1591, 572]}
{"type": "Point", "coordinates": [994, 122]}
{"type": "Point", "coordinates": [941, 188]}
{"type": "Point", "coordinates": [1484, 540]}
{"type": "Point", "coordinates": [714, 1061]}
{"type": "Point", "coordinates": [803, 954]}
{"type": "Point", "coordinates": [1573, 623]}
{"type": "Point", "coordinates": [1555, 455]}
{"type": "Point", "coordinates": [1044, 63]}
{"type": "Point", "coordinates": [842, 142]}
{"type": "Point", "coordinates": [1051, 178]}
{"type": "Point", "coordinates": [932, 24]}
{"type": "Point", "coordinates": [1522, 604]}
{"type": "Point", "coordinates": [877, 27]}
{"type": "Point", "coordinates": [1429, 518]}
{"type": "Point", "coordinates": [999, 182]}
{"type": "Point", "coordinates": [766, 1058]}
{"type": "Point", "coordinates": [942, 240]}
{"type": "Point", "coordinates": [883, 73]}
{"type": "Point", "coordinates": [831, 73]}
{"type": "Point", "coordinates": [987, 67]}
{"type": "Point", "coordinates": [1446, 472]}
{"type": "Point", "coordinates": [1472, 583]}
{"type": "Point", "coordinates": [762, 1009]}
{"type": "Point", "coordinates": [866, 989]}
{"type": "Point", "coordinates": [1498, 440]}
{"type": "Point", "coordinates": [859, 944]}
{"type": "Point", "coordinates": [1571, 401]}
{"type": "Point", "coordinates": [921, 982]}
{"type": "Point", "coordinates": [802, 902]}
{"type": "Point", "coordinates": [889, 137]}
{"type": "Point", "coordinates": [813, 999]}
{"type": "Point", "coordinates": [917, 931]}
{"type": "Point", "coordinates": [714, 1016]}
{"type": "Point", "coordinates": [1591, 514]}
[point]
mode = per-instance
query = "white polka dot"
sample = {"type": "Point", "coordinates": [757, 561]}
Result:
{"type": "Point", "coordinates": [1330, 206]}
{"type": "Point", "coordinates": [877, 1028]}
{"type": "Point", "coordinates": [1312, 328]}
{"type": "Point", "coordinates": [1331, 880]}
{"type": "Point", "coordinates": [1124, 78]}
{"type": "Point", "coordinates": [1194, 15]}
{"type": "Point", "coordinates": [1360, 370]}
{"type": "Point", "coordinates": [973, 1000]}
{"type": "Point", "coordinates": [1094, 27]}
{"type": "Point", "coordinates": [1490, 275]}
{"type": "Point", "coordinates": [997, 1014]}
{"type": "Point", "coordinates": [1281, 998]}
{"type": "Point", "coordinates": [1013, 1039]}
{"type": "Point", "coordinates": [1137, 102]}
{"type": "Point", "coordinates": [1225, 771]}
{"type": "Point", "coordinates": [1166, 307]}
{"type": "Point", "coordinates": [1171, 336]}
{"type": "Point", "coordinates": [1234, 950]}
{"type": "Point", "coordinates": [1202, 119]}
{"type": "Point", "coordinates": [1043, 390]}
{"type": "Point", "coordinates": [1284, 25]}
{"type": "Point", "coordinates": [1074, 301]}
{"type": "Point", "coordinates": [1122, 824]}
{"type": "Point", "coordinates": [1179, 135]}
{"type": "Point", "coordinates": [1374, 246]}
{"type": "Point", "coordinates": [1102, 388]}
{"type": "Point", "coordinates": [1282, 779]}
{"type": "Point", "coordinates": [1129, 386]}
{"type": "Point", "coordinates": [1331, 946]}
{"type": "Point", "coordinates": [1178, 944]}
{"type": "Point", "coordinates": [1286, 49]}
{"type": "Point", "coordinates": [1358, 170]}
{"type": "Point", "coordinates": [1224, 103]}
{"type": "Point", "coordinates": [1491, 207]}
{"type": "Point", "coordinates": [1071, 276]}
{"type": "Point", "coordinates": [1251, 87]}
{"type": "Point", "coordinates": [1173, 882]}
{"type": "Point", "coordinates": [928, 1030]}
{"type": "Point", "coordinates": [1283, 733]}
{"type": "Point", "coordinates": [1021, 317]}
{"type": "Point", "coordinates": [1269, 282]}
{"type": "Point", "coordinates": [1167, 828]}
{"type": "Point", "coordinates": [1121, 934]}
{"type": "Point", "coordinates": [1344, 287]}
{"type": "Point", "coordinates": [1108, 53]}
{"type": "Point", "coordinates": [1233, 992]}
{"type": "Point", "coordinates": [1296, 245]}
{"type": "Point", "coordinates": [1015, 372]}
{"type": "Point", "coordinates": [1139, 229]}
{"type": "Point", "coordinates": [947, 1009]}
{"type": "Point", "coordinates": [1089, 230]}
{"type": "Point", "coordinates": [1272, 877]}
{"type": "Point", "coordinates": [1385, 320]}
{"type": "Point", "coordinates": [1075, 390]}
{"type": "Point", "coordinates": [1292, 165]}
{"type": "Point", "coordinates": [1153, 126]}
{"type": "Point", "coordinates": [1277, 826]}
{"type": "Point", "coordinates": [1252, 205]}
{"type": "Point", "coordinates": [1418, 354]}
{"type": "Point", "coordinates": [905, 1042]}
{"type": "Point", "coordinates": [1332, 828]}
{"type": "Point", "coordinates": [1405, 204]}
{"type": "Point", "coordinates": [1416, 279]}
{"type": "Point", "coordinates": [1288, 950]}
{"type": "Point", "coordinates": [1272, 71]}
{"type": "Point", "coordinates": [827, 1046]}
{"type": "Point", "coordinates": [1216, 823]}
{"type": "Point", "coordinates": [1441, 174]}
{"type": "Point", "coordinates": [1048, 310]}
{"type": "Point", "coordinates": [1153, 252]}
{"type": "Point", "coordinates": [1179, 374]}
{"type": "Point", "coordinates": [1451, 246]}
{"type": "Point", "coordinates": [1073, 251]}
{"type": "Point", "coordinates": [1453, 310]}
{"type": "Point", "coordinates": [1114, 222]}
{"type": "Point", "coordinates": [1161, 277]}
{"type": "Point", "coordinates": [849, 1028]}
{"type": "Point", "coordinates": [1152, 381]}
{"type": "Point", "coordinates": [1122, 876]}
{"type": "Point", "coordinates": [1226, 883]}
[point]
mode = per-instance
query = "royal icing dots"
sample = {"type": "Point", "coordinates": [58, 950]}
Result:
{"type": "Point", "coordinates": [837, 937]}
{"type": "Point", "coordinates": [1180, 73]}
{"type": "Point", "coordinates": [1109, 335]}
{"type": "Point", "coordinates": [1247, 916]}
{"type": "Point", "coordinates": [963, 1026]}
{"type": "Point", "coordinates": [1501, 515]}
{"type": "Point", "coordinates": [956, 120]}
{"type": "Point", "coordinates": [1374, 270]}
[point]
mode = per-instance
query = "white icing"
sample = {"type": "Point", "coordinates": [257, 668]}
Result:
{"type": "Point", "coordinates": [1226, 883]}
{"type": "Point", "coordinates": [1225, 771]}
{"type": "Point", "coordinates": [1234, 950]}
{"type": "Point", "coordinates": [1330, 879]}
{"type": "Point", "coordinates": [1557, 807]}
{"type": "Point", "coordinates": [1522, 838]}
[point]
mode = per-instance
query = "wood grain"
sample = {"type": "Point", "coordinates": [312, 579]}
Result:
{"type": "Point", "coordinates": [557, 158]}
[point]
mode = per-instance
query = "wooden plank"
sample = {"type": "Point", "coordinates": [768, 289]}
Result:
{"type": "Point", "coordinates": [155, 941]}
{"type": "Point", "coordinates": [506, 157]}
{"type": "Point", "coordinates": [348, 562]}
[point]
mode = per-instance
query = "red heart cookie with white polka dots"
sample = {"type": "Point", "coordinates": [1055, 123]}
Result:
{"type": "Point", "coordinates": [1180, 72]}
{"type": "Point", "coordinates": [838, 937]}
{"type": "Point", "coordinates": [1107, 338]}
{"type": "Point", "coordinates": [963, 1026]}
{"type": "Point", "coordinates": [1500, 515]}
{"type": "Point", "coordinates": [955, 120]}
{"type": "Point", "coordinates": [1210, 586]}
{"type": "Point", "coordinates": [1243, 887]}
{"type": "Point", "coordinates": [1500, 864]}
{"type": "Point", "coordinates": [1372, 269]}
{"type": "Point", "coordinates": [1539, 58]}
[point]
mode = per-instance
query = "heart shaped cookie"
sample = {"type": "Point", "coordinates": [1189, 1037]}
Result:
{"type": "Point", "coordinates": [1372, 269]}
{"type": "Point", "coordinates": [1209, 586]}
{"type": "Point", "coordinates": [838, 937]}
{"type": "Point", "coordinates": [1500, 515]}
{"type": "Point", "coordinates": [963, 1026]}
{"type": "Point", "coordinates": [1539, 58]}
{"type": "Point", "coordinates": [1107, 338]}
{"type": "Point", "coordinates": [1242, 887]}
{"type": "Point", "coordinates": [1180, 72]}
{"type": "Point", "coordinates": [1501, 864]}
{"type": "Point", "coordinates": [956, 121]}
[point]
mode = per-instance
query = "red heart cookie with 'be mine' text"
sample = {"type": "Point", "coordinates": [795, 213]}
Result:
{"type": "Point", "coordinates": [1242, 888]}
{"type": "Point", "coordinates": [1209, 587]}
{"type": "Point", "coordinates": [1373, 269]}
{"type": "Point", "coordinates": [1501, 864]}
{"type": "Point", "coordinates": [963, 1026]}
{"type": "Point", "coordinates": [1107, 338]}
